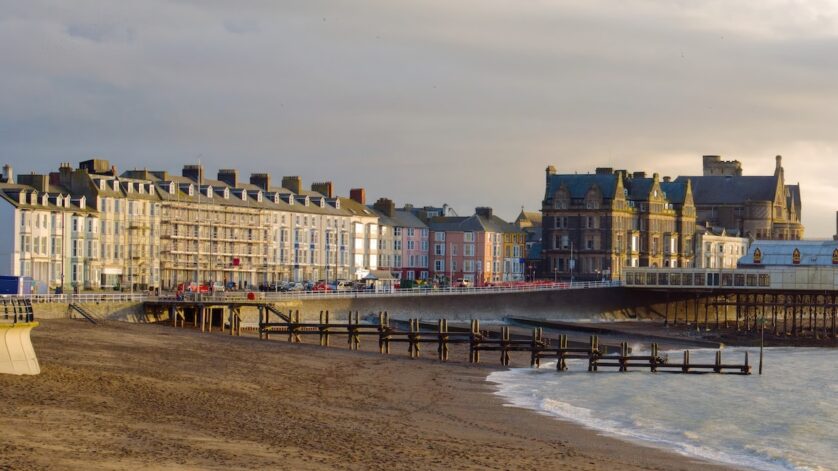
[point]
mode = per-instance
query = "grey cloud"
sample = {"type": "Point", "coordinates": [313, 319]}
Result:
{"type": "Point", "coordinates": [459, 102]}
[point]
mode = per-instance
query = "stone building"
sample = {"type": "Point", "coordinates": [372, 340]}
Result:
{"type": "Point", "coordinates": [757, 207]}
{"type": "Point", "coordinates": [596, 224]}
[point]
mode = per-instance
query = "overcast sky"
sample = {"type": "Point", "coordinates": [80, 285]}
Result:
{"type": "Point", "coordinates": [425, 102]}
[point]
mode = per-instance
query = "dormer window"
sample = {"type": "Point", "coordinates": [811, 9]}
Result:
{"type": "Point", "coordinates": [103, 185]}
{"type": "Point", "coordinates": [129, 187]}
{"type": "Point", "coordinates": [209, 191]}
{"type": "Point", "coordinates": [83, 202]}
{"type": "Point", "coordinates": [226, 193]}
{"type": "Point", "coordinates": [276, 198]}
{"type": "Point", "coordinates": [337, 204]}
{"type": "Point", "coordinates": [172, 188]}
{"type": "Point", "coordinates": [33, 198]}
{"type": "Point", "coordinates": [115, 185]}
{"type": "Point", "coordinates": [59, 201]}
{"type": "Point", "coordinates": [44, 199]}
{"type": "Point", "coordinates": [244, 195]}
{"type": "Point", "coordinates": [191, 190]}
{"type": "Point", "coordinates": [259, 196]}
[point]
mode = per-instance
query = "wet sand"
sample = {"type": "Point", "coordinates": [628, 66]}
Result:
{"type": "Point", "coordinates": [130, 396]}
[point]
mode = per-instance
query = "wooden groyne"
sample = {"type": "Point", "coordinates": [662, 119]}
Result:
{"type": "Point", "coordinates": [479, 341]}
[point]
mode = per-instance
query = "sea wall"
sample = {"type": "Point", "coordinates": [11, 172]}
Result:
{"type": "Point", "coordinates": [596, 303]}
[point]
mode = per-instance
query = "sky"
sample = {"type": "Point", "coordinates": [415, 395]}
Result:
{"type": "Point", "coordinates": [427, 102]}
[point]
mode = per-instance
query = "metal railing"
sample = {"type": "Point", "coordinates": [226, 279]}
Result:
{"type": "Point", "coordinates": [284, 295]}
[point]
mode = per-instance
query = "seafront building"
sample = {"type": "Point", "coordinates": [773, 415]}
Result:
{"type": "Point", "coordinates": [474, 249]}
{"type": "Point", "coordinates": [714, 248]}
{"type": "Point", "coordinates": [93, 228]}
{"type": "Point", "coordinates": [757, 207]}
{"type": "Point", "coordinates": [594, 225]}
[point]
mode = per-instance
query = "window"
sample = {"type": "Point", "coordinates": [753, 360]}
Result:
{"type": "Point", "coordinates": [439, 265]}
{"type": "Point", "coordinates": [468, 237]}
{"type": "Point", "coordinates": [439, 249]}
{"type": "Point", "coordinates": [468, 250]}
{"type": "Point", "coordinates": [411, 245]}
{"type": "Point", "coordinates": [439, 236]}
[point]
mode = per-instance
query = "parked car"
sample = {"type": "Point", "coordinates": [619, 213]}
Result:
{"type": "Point", "coordinates": [344, 285]}
{"type": "Point", "coordinates": [462, 283]}
{"type": "Point", "coordinates": [321, 287]}
{"type": "Point", "coordinates": [295, 286]}
{"type": "Point", "coordinates": [192, 287]}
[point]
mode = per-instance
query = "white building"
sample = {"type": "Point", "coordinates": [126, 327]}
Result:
{"type": "Point", "coordinates": [716, 249]}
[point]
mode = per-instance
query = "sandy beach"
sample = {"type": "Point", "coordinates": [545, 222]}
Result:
{"type": "Point", "coordinates": [131, 396]}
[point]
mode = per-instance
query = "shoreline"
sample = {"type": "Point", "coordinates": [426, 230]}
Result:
{"type": "Point", "coordinates": [128, 396]}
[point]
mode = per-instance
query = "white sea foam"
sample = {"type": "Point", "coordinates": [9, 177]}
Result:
{"type": "Point", "coordinates": [786, 419]}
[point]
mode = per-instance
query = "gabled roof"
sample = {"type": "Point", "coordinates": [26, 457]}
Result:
{"type": "Point", "coordinates": [731, 189]}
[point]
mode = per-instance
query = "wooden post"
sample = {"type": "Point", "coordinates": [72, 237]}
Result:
{"type": "Point", "coordinates": [718, 365]}
{"type": "Point", "coordinates": [653, 361]}
{"type": "Point", "coordinates": [695, 312]}
{"type": "Point", "coordinates": [592, 354]}
{"type": "Point", "coordinates": [834, 309]}
{"type": "Point", "coordinates": [685, 368]}
{"type": "Point", "coordinates": [560, 352]}
{"type": "Point", "coordinates": [666, 311]}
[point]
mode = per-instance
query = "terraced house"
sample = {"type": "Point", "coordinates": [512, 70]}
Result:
{"type": "Point", "coordinates": [596, 224]}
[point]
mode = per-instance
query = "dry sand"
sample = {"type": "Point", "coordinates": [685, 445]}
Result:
{"type": "Point", "coordinates": [128, 396]}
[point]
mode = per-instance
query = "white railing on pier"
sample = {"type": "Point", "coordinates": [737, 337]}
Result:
{"type": "Point", "coordinates": [287, 295]}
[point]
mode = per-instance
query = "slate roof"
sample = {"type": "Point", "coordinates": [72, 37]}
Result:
{"type": "Point", "coordinates": [404, 218]}
{"type": "Point", "coordinates": [779, 252]}
{"type": "Point", "coordinates": [731, 189]}
{"type": "Point", "coordinates": [474, 223]}
{"type": "Point", "coordinates": [578, 185]}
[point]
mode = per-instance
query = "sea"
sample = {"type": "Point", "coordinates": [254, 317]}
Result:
{"type": "Point", "coordinates": [784, 419]}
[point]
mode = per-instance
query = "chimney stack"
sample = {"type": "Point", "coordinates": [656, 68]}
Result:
{"type": "Point", "coordinates": [229, 176]}
{"type": "Point", "coordinates": [194, 173]}
{"type": "Point", "coordinates": [8, 173]}
{"type": "Point", "coordinates": [324, 188]}
{"type": "Point", "coordinates": [639, 175]}
{"type": "Point", "coordinates": [38, 182]}
{"type": "Point", "coordinates": [484, 211]}
{"type": "Point", "coordinates": [262, 180]}
{"type": "Point", "coordinates": [358, 195]}
{"type": "Point", "coordinates": [294, 183]}
{"type": "Point", "coordinates": [386, 206]}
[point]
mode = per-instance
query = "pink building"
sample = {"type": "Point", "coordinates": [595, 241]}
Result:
{"type": "Point", "coordinates": [467, 248]}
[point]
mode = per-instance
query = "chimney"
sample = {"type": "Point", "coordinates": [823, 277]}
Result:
{"type": "Point", "coordinates": [262, 180]}
{"type": "Point", "coordinates": [386, 206]}
{"type": "Point", "coordinates": [484, 211]}
{"type": "Point", "coordinates": [638, 175]}
{"type": "Point", "coordinates": [194, 173]}
{"type": "Point", "coordinates": [97, 167]}
{"type": "Point", "coordinates": [324, 188]}
{"type": "Point", "coordinates": [9, 173]}
{"type": "Point", "coordinates": [54, 178]}
{"type": "Point", "coordinates": [229, 176]}
{"type": "Point", "coordinates": [161, 174]}
{"type": "Point", "coordinates": [295, 184]}
{"type": "Point", "coordinates": [359, 195]}
{"type": "Point", "coordinates": [38, 182]}
{"type": "Point", "coordinates": [604, 170]}
{"type": "Point", "coordinates": [667, 179]}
